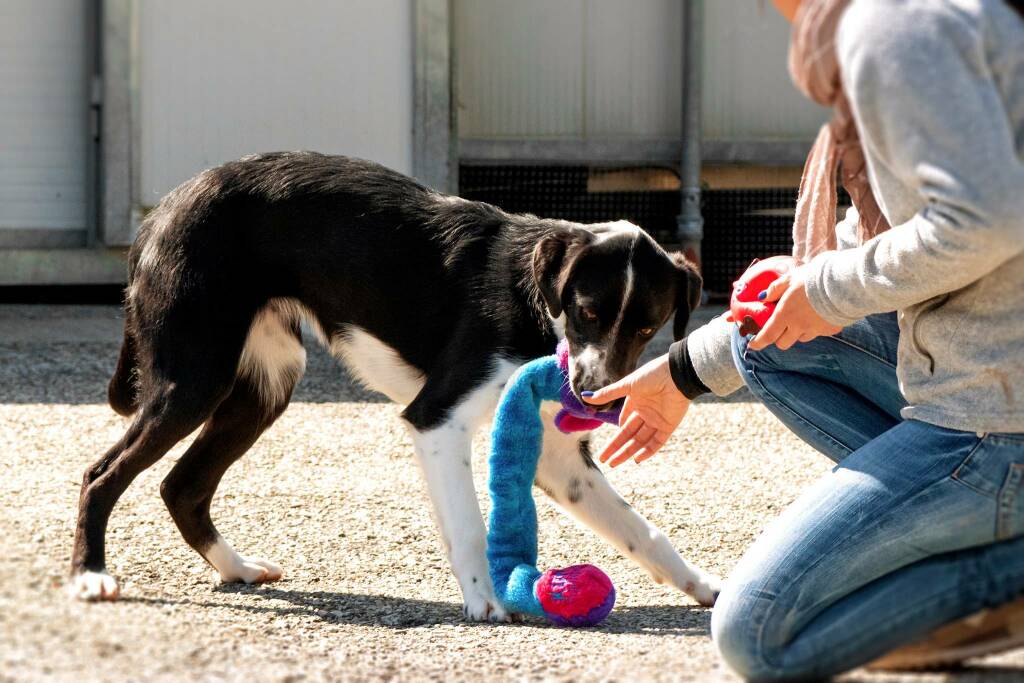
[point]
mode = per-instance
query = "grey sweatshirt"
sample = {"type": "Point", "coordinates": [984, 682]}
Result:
{"type": "Point", "coordinates": [937, 89]}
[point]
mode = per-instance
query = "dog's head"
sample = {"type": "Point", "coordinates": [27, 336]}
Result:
{"type": "Point", "coordinates": [612, 287]}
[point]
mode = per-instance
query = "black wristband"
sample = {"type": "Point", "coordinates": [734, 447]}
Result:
{"type": "Point", "coordinates": [683, 374]}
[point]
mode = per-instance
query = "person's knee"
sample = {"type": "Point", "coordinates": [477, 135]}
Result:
{"type": "Point", "coordinates": [735, 632]}
{"type": "Point", "coordinates": [736, 626]}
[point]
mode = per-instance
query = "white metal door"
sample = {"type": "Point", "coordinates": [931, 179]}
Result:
{"type": "Point", "coordinates": [601, 80]}
{"type": "Point", "coordinates": [577, 70]}
{"type": "Point", "coordinates": [44, 199]}
{"type": "Point", "coordinates": [232, 77]}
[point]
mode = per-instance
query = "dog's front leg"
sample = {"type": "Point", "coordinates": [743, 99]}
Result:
{"type": "Point", "coordinates": [444, 454]}
{"type": "Point", "coordinates": [569, 476]}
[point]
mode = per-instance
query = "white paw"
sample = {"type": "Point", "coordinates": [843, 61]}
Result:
{"type": "Point", "coordinates": [480, 607]}
{"type": "Point", "coordinates": [93, 586]}
{"type": "Point", "coordinates": [250, 570]}
{"type": "Point", "coordinates": [706, 592]}
{"type": "Point", "coordinates": [233, 567]}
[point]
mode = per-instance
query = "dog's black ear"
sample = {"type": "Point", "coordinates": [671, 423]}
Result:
{"type": "Point", "coordinates": [553, 258]}
{"type": "Point", "coordinates": [688, 290]}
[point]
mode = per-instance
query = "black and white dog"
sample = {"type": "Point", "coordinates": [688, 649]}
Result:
{"type": "Point", "coordinates": [430, 299]}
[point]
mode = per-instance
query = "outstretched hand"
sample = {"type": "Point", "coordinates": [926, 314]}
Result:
{"type": "Point", "coordinates": [654, 407]}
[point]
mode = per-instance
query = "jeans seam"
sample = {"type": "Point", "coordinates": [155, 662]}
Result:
{"type": "Point", "coordinates": [1007, 498]}
{"type": "Point", "coordinates": [775, 399]}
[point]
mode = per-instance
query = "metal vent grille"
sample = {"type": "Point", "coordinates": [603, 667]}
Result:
{"type": "Point", "coordinates": [562, 192]}
{"type": "Point", "coordinates": [739, 225]}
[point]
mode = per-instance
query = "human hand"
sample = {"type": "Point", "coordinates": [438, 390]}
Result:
{"type": "Point", "coordinates": [654, 407]}
{"type": "Point", "coordinates": [794, 319]}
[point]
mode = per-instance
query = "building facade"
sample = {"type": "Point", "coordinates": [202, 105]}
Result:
{"type": "Point", "coordinates": [109, 104]}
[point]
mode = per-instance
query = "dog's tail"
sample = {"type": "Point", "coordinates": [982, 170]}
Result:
{"type": "Point", "coordinates": [121, 392]}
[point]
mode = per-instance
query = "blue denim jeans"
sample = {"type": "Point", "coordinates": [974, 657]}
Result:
{"type": "Point", "coordinates": [916, 525]}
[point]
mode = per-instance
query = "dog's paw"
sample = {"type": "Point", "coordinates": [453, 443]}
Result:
{"type": "Point", "coordinates": [480, 608]}
{"type": "Point", "coordinates": [706, 592]}
{"type": "Point", "coordinates": [234, 568]}
{"type": "Point", "coordinates": [250, 570]}
{"type": "Point", "coordinates": [93, 586]}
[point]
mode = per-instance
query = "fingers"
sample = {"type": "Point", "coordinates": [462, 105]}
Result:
{"type": "Point", "coordinates": [631, 447]}
{"type": "Point", "coordinates": [652, 447]}
{"type": "Point", "coordinates": [610, 392]}
{"type": "Point", "coordinates": [777, 288]}
{"type": "Point", "coordinates": [628, 408]}
{"type": "Point", "coordinates": [788, 338]}
{"type": "Point", "coordinates": [626, 432]}
{"type": "Point", "coordinates": [776, 325]}
{"type": "Point", "coordinates": [644, 443]}
{"type": "Point", "coordinates": [770, 333]}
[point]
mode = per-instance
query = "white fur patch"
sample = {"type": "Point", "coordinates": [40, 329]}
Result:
{"type": "Point", "coordinates": [377, 365]}
{"type": "Point", "coordinates": [272, 357]}
{"type": "Point", "coordinates": [94, 586]}
{"type": "Point", "coordinates": [233, 567]}
{"type": "Point", "coordinates": [627, 293]}
{"type": "Point", "coordinates": [558, 324]}
{"type": "Point", "coordinates": [591, 358]}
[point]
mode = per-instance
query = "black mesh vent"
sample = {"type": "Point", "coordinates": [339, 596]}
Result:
{"type": "Point", "coordinates": [739, 225]}
{"type": "Point", "coordinates": [561, 192]}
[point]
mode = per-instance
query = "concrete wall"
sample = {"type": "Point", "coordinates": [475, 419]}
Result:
{"type": "Point", "coordinates": [222, 79]}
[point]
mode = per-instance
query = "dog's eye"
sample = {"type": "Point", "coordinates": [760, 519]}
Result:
{"type": "Point", "coordinates": [645, 331]}
{"type": "Point", "coordinates": [588, 313]}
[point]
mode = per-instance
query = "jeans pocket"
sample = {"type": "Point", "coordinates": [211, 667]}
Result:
{"type": "Point", "coordinates": [1011, 504]}
{"type": "Point", "coordinates": [982, 470]}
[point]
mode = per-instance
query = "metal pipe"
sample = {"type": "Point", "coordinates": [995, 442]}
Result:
{"type": "Point", "coordinates": [690, 222]}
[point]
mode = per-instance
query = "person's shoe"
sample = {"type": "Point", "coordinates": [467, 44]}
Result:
{"type": "Point", "coordinates": [984, 633]}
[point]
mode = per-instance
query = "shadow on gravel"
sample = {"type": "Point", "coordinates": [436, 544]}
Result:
{"type": "Point", "coordinates": [403, 613]}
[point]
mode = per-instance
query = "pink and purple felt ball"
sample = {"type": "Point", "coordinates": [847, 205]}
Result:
{"type": "Point", "coordinates": [580, 595]}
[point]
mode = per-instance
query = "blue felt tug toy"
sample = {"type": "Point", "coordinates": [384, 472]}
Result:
{"type": "Point", "coordinates": [580, 595]}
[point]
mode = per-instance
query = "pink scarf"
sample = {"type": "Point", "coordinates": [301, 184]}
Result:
{"type": "Point", "coordinates": [814, 66]}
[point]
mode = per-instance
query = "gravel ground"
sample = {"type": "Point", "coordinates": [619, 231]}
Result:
{"type": "Point", "coordinates": [332, 493]}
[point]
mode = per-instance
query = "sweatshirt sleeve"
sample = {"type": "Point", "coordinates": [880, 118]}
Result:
{"type": "Point", "coordinates": [709, 349]}
{"type": "Point", "coordinates": [930, 114]}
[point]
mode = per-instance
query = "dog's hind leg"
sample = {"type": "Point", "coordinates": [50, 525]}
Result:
{"type": "Point", "coordinates": [189, 487]}
{"type": "Point", "coordinates": [570, 477]}
{"type": "Point", "coordinates": [272, 362]}
{"type": "Point", "coordinates": [172, 411]}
